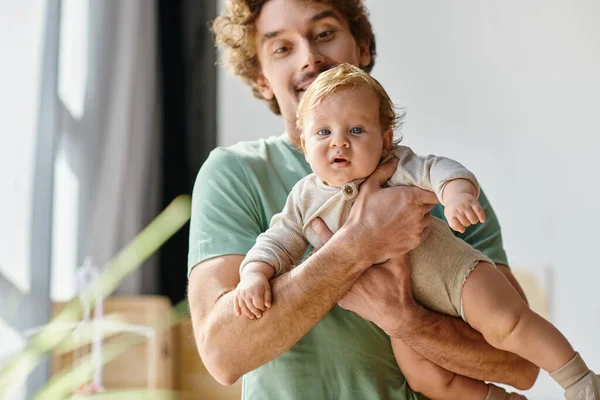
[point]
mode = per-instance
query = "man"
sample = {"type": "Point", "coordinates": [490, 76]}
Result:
{"type": "Point", "coordinates": [306, 345]}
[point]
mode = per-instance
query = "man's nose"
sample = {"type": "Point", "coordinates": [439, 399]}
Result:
{"type": "Point", "coordinates": [311, 57]}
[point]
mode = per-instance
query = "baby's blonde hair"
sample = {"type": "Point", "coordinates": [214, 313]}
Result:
{"type": "Point", "coordinates": [343, 76]}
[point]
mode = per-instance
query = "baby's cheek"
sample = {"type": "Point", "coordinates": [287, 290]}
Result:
{"type": "Point", "coordinates": [370, 165]}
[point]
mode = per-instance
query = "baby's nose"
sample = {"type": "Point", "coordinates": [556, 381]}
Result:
{"type": "Point", "coordinates": [340, 141]}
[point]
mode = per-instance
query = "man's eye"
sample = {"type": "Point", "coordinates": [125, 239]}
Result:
{"type": "Point", "coordinates": [324, 35]}
{"type": "Point", "coordinates": [357, 130]}
{"type": "Point", "coordinates": [323, 132]}
{"type": "Point", "coordinates": [281, 50]}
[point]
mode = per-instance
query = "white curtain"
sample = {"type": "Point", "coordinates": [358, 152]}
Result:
{"type": "Point", "coordinates": [111, 141]}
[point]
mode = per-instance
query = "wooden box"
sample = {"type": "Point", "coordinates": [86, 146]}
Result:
{"type": "Point", "coordinates": [148, 365]}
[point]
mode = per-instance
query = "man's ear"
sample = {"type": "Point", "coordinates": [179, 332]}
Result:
{"type": "Point", "coordinates": [264, 87]}
{"type": "Point", "coordinates": [364, 49]}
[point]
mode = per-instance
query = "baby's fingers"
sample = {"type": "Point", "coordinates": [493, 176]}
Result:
{"type": "Point", "coordinates": [258, 302]}
{"type": "Point", "coordinates": [464, 221]}
{"type": "Point", "coordinates": [456, 225]}
{"type": "Point", "coordinates": [268, 297]}
{"type": "Point", "coordinates": [479, 212]}
{"type": "Point", "coordinates": [253, 309]}
{"type": "Point", "coordinates": [236, 305]}
{"type": "Point", "coordinates": [471, 216]}
{"type": "Point", "coordinates": [245, 310]}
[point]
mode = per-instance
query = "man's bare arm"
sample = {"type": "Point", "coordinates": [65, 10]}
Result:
{"type": "Point", "coordinates": [455, 346]}
{"type": "Point", "coordinates": [231, 346]}
{"type": "Point", "coordinates": [383, 295]}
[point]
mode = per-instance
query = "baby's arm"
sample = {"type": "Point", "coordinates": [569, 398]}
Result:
{"type": "Point", "coordinates": [283, 244]}
{"type": "Point", "coordinates": [252, 295]}
{"type": "Point", "coordinates": [461, 206]}
{"type": "Point", "coordinates": [455, 186]}
{"type": "Point", "coordinates": [276, 251]}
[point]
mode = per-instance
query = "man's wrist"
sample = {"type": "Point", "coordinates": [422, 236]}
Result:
{"type": "Point", "coordinates": [408, 321]}
{"type": "Point", "coordinates": [352, 247]}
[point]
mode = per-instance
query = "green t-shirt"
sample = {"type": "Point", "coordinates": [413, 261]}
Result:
{"type": "Point", "coordinates": [237, 192]}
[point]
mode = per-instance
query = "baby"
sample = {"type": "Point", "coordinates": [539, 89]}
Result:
{"type": "Point", "coordinates": [346, 121]}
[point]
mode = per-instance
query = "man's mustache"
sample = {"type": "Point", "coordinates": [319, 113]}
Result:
{"type": "Point", "coordinates": [311, 74]}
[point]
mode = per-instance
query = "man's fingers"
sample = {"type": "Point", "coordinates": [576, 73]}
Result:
{"type": "Point", "coordinates": [382, 174]}
{"type": "Point", "coordinates": [425, 197]}
{"type": "Point", "coordinates": [427, 219]}
{"type": "Point", "coordinates": [427, 227]}
{"type": "Point", "coordinates": [321, 230]}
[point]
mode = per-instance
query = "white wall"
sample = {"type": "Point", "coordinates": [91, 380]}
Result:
{"type": "Point", "coordinates": [22, 26]}
{"type": "Point", "coordinates": [511, 88]}
{"type": "Point", "coordinates": [21, 42]}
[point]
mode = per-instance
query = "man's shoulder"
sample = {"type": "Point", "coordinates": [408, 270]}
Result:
{"type": "Point", "coordinates": [253, 149]}
{"type": "Point", "coordinates": [248, 154]}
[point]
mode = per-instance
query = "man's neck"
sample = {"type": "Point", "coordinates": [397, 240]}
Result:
{"type": "Point", "coordinates": [290, 130]}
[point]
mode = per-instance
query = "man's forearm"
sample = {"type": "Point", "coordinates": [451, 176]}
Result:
{"type": "Point", "coordinates": [232, 346]}
{"type": "Point", "coordinates": [452, 344]}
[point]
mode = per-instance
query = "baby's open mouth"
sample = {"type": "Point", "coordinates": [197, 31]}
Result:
{"type": "Point", "coordinates": [340, 162]}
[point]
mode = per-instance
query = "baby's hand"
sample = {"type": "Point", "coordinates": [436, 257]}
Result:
{"type": "Point", "coordinates": [252, 295]}
{"type": "Point", "coordinates": [463, 210]}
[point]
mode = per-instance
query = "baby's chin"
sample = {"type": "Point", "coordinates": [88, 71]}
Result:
{"type": "Point", "coordinates": [341, 182]}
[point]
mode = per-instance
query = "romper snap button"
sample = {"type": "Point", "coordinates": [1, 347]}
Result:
{"type": "Point", "coordinates": [349, 190]}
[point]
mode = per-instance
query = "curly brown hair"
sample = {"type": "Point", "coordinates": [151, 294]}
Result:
{"type": "Point", "coordinates": [234, 33]}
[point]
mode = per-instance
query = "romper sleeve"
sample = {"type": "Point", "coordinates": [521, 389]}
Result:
{"type": "Point", "coordinates": [430, 173]}
{"type": "Point", "coordinates": [284, 243]}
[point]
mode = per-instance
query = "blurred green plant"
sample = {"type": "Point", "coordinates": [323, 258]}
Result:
{"type": "Point", "coordinates": [146, 243]}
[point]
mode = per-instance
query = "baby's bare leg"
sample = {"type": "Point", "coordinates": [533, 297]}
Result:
{"type": "Point", "coordinates": [493, 307]}
{"type": "Point", "coordinates": [433, 381]}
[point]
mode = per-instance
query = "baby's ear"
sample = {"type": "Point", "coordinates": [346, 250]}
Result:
{"type": "Point", "coordinates": [303, 143]}
{"type": "Point", "coordinates": [388, 137]}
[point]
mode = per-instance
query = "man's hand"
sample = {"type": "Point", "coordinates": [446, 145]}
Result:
{"type": "Point", "coordinates": [388, 222]}
{"type": "Point", "coordinates": [382, 294]}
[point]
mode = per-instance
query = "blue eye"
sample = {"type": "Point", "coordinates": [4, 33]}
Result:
{"type": "Point", "coordinates": [356, 130]}
{"type": "Point", "coordinates": [324, 132]}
